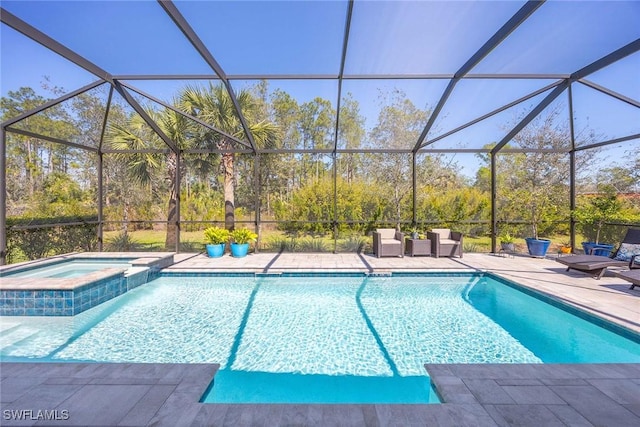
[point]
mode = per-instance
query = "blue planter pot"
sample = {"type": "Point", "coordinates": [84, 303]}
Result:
{"type": "Point", "coordinates": [537, 247]}
{"type": "Point", "coordinates": [238, 250]}
{"type": "Point", "coordinates": [602, 249]}
{"type": "Point", "coordinates": [215, 251]}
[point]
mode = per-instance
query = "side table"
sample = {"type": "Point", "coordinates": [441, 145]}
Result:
{"type": "Point", "coordinates": [418, 247]}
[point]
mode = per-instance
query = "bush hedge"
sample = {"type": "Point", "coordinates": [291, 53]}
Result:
{"type": "Point", "coordinates": [31, 238]}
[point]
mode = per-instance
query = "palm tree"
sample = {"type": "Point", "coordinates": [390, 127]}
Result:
{"type": "Point", "coordinates": [136, 135]}
{"type": "Point", "coordinates": [214, 106]}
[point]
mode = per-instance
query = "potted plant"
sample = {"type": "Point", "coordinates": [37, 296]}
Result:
{"type": "Point", "coordinates": [507, 242]}
{"type": "Point", "coordinates": [592, 216]}
{"type": "Point", "coordinates": [414, 233]}
{"type": "Point", "coordinates": [538, 206]}
{"type": "Point", "coordinates": [215, 239]}
{"type": "Point", "coordinates": [537, 246]}
{"type": "Point", "coordinates": [240, 239]}
{"type": "Point", "coordinates": [565, 248]}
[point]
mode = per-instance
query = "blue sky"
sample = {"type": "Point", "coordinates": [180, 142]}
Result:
{"type": "Point", "coordinates": [300, 37]}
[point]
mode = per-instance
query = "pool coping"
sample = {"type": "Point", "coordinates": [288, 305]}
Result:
{"type": "Point", "coordinates": [473, 395]}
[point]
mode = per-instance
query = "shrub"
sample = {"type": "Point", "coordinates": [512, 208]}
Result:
{"type": "Point", "coordinates": [34, 237]}
{"type": "Point", "coordinates": [122, 242]}
{"type": "Point", "coordinates": [353, 244]}
{"type": "Point", "coordinates": [474, 247]}
{"type": "Point", "coordinates": [281, 244]}
{"type": "Point", "coordinates": [309, 244]}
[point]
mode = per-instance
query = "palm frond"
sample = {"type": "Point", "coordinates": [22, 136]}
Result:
{"type": "Point", "coordinates": [266, 134]}
{"type": "Point", "coordinates": [120, 137]}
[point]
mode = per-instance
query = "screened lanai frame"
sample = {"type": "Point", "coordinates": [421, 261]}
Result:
{"type": "Point", "coordinates": [121, 84]}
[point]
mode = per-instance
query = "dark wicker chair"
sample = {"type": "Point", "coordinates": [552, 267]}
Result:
{"type": "Point", "coordinates": [445, 242]}
{"type": "Point", "coordinates": [388, 242]}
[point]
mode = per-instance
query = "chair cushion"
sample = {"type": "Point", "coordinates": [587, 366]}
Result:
{"type": "Point", "coordinates": [449, 242]}
{"type": "Point", "coordinates": [626, 251]}
{"type": "Point", "coordinates": [390, 242]}
{"type": "Point", "coordinates": [387, 233]}
{"type": "Point", "coordinates": [445, 233]}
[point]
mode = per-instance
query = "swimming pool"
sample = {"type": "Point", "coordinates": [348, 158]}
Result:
{"type": "Point", "coordinates": [350, 338]}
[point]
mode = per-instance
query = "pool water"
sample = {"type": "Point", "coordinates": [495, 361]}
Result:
{"type": "Point", "coordinates": [69, 268]}
{"type": "Point", "coordinates": [320, 339]}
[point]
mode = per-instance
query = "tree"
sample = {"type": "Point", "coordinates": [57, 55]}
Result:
{"type": "Point", "coordinates": [399, 125]}
{"type": "Point", "coordinates": [89, 109]}
{"type": "Point", "coordinates": [31, 159]}
{"type": "Point", "coordinates": [542, 189]}
{"type": "Point", "coordinates": [136, 135]}
{"type": "Point", "coordinates": [596, 211]}
{"type": "Point", "coordinates": [278, 172]}
{"type": "Point", "coordinates": [351, 135]}
{"type": "Point", "coordinates": [317, 127]}
{"type": "Point", "coordinates": [213, 105]}
{"type": "Point", "coordinates": [534, 184]}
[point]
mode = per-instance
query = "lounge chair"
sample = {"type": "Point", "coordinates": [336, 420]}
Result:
{"type": "Point", "coordinates": [388, 242]}
{"type": "Point", "coordinates": [597, 264]}
{"type": "Point", "coordinates": [633, 274]}
{"type": "Point", "coordinates": [445, 242]}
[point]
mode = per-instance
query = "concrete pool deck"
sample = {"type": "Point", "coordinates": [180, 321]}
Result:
{"type": "Point", "coordinates": [473, 395]}
{"type": "Point", "coordinates": [97, 394]}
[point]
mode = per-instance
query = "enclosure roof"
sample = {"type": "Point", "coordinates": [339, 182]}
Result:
{"type": "Point", "coordinates": [467, 62]}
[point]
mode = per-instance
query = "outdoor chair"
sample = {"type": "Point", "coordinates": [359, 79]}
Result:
{"type": "Point", "coordinates": [388, 242]}
{"type": "Point", "coordinates": [596, 265]}
{"type": "Point", "coordinates": [633, 275]}
{"type": "Point", "coordinates": [445, 242]}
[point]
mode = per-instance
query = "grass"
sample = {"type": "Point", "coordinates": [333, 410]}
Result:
{"type": "Point", "coordinates": [156, 237]}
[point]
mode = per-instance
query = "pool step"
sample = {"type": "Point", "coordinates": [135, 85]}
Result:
{"type": "Point", "coordinates": [15, 335]}
{"type": "Point", "coordinates": [7, 326]}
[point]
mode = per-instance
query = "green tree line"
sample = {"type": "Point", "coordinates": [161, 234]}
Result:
{"type": "Point", "coordinates": [221, 179]}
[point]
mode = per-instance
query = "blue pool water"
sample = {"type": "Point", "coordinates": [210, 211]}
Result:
{"type": "Point", "coordinates": [68, 268]}
{"type": "Point", "coordinates": [320, 339]}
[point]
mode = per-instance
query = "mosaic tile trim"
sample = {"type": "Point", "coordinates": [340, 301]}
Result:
{"type": "Point", "coordinates": [439, 273]}
{"type": "Point", "coordinates": [136, 279]}
{"type": "Point", "coordinates": [61, 303]}
{"type": "Point", "coordinates": [323, 274]}
{"type": "Point", "coordinates": [209, 274]}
